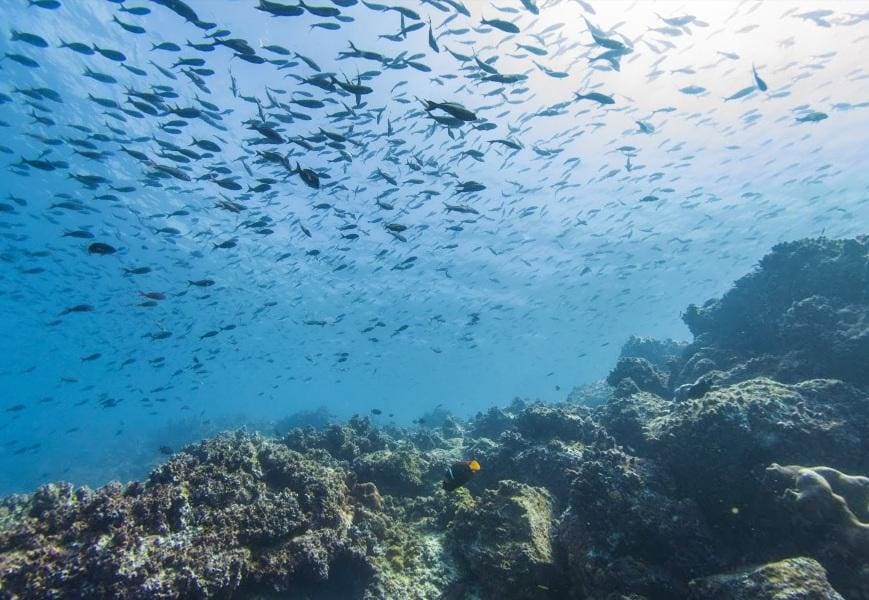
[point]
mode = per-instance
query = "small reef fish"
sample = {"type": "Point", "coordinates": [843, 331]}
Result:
{"type": "Point", "coordinates": [460, 473]}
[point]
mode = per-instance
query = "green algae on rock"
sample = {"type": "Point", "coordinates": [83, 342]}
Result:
{"type": "Point", "coordinates": [789, 579]}
{"type": "Point", "coordinates": [505, 542]}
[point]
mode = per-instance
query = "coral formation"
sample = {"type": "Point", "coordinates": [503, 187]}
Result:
{"type": "Point", "coordinates": [660, 353]}
{"type": "Point", "coordinates": [644, 375]}
{"type": "Point", "coordinates": [233, 513]}
{"type": "Point", "coordinates": [802, 314]}
{"type": "Point", "coordinates": [659, 487]}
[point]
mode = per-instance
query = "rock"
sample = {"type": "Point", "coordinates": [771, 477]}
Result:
{"type": "Point", "coordinates": [344, 442]}
{"type": "Point", "coordinates": [368, 496]}
{"type": "Point", "coordinates": [495, 421]}
{"type": "Point", "coordinates": [717, 446]}
{"type": "Point", "coordinates": [626, 388]}
{"type": "Point", "coordinates": [504, 543]}
{"type": "Point", "coordinates": [805, 308]}
{"type": "Point", "coordinates": [660, 353]}
{"type": "Point", "coordinates": [663, 483]}
{"type": "Point", "coordinates": [626, 531]}
{"type": "Point", "coordinates": [626, 417]}
{"type": "Point", "coordinates": [552, 465]}
{"type": "Point", "coordinates": [643, 373]}
{"type": "Point", "coordinates": [789, 579]}
{"type": "Point", "coordinates": [827, 513]}
{"type": "Point", "coordinates": [590, 394]}
{"type": "Point", "coordinates": [397, 472]}
{"type": "Point", "coordinates": [541, 422]}
{"type": "Point", "coordinates": [698, 365]}
{"type": "Point", "coordinates": [689, 391]}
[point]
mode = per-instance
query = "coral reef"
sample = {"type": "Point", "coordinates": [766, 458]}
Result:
{"type": "Point", "coordinates": [590, 394]}
{"type": "Point", "coordinates": [660, 353]}
{"type": "Point", "coordinates": [789, 579]}
{"type": "Point", "coordinates": [642, 374]}
{"type": "Point", "coordinates": [802, 314]}
{"type": "Point", "coordinates": [657, 488]}
{"type": "Point", "coordinates": [736, 431]}
{"type": "Point", "coordinates": [231, 514]}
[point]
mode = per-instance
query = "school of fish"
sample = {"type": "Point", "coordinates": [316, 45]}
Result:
{"type": "Point", "coordinates": [268, 204]}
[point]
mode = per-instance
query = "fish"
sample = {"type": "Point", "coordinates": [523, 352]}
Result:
{"type": "Point", "coordinates": [812, 117]}
{"type": "Point", "coordinates": [166, 46]}
{"type": "Point", "coordinates": [469, 186]}
{"type": "Point", "coordinates": [29, 38]}
{"type": "Point", "coordinates": [531, 6]}
{"type": "Point", "coordinates": [130, 27]}
{"type": "Point", "coordinates": [21, 59]}
{"type": "Point", "coordinates": [78, 308]}
{"type": "Point", "coordinates": [101, 248]}
{"type": "Point", "coordinates": [500, 24]}
{"type": "Point", "coordinates": [153, 295]}
{"type": "Point", "coordinates": [596, 97]}
{"type": "Point", "coordinates": [115, 55]}
{"type": "Point", "coordinates": [741, 93]}
{"type": "Point", "coordinates": [461, 208]}
{"type": "Point", "coordinates": [231, 243]}
{"type": "Point", "coordinates": [451, 108]}
{"type": "Point", "coordinates": [760, 83]}
{"type": "Point", "coordinates": [459, 473]}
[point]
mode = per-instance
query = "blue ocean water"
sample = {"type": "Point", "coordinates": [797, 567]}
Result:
{"type": "Point", "coordinates": [390, 280]}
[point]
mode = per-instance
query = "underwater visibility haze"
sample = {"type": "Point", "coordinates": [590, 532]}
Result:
{"type": "Point", "coordinates": [226, 213]}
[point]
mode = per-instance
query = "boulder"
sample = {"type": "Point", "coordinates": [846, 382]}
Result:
{"type": "Point", "coordinates": [789, 579]}
{"type": "Point", "coordinates": [503, 544]}
{"type": "Point", "coordinates": [805, 309]}
{"type": "Point", "coordinates": [627, 531]}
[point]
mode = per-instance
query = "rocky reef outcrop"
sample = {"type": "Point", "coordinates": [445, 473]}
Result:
{"type": "Point", "coordinates": [666, 484]}
{"type": "Point", "coordinates": [506, 534]}
{"type": "Point", "coordinates": [802, 314]}
{"type": "Point", "coordinates": [790, 579]}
